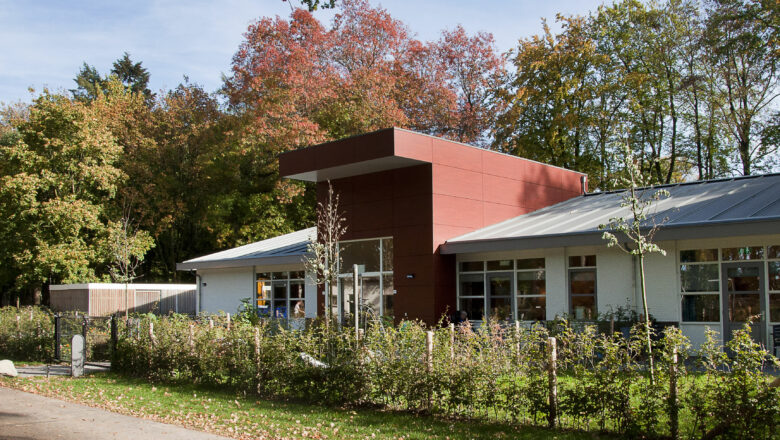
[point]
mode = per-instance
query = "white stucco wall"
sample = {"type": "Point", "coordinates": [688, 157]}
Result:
{"type": "Point", "coordinates": [618, 282]}
{"type": "Point", "coordinates": [223, 289]}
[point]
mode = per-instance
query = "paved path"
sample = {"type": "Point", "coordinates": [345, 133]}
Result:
{"type": "Point", "coordinates": [25, 416]}
{"type": "Point", "coordinates": [60, 369]}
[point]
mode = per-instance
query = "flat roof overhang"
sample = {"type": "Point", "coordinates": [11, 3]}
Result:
{"type": "Point", "coordinates": [711, 229]}
{"type": "Point", "coordinates": [382, 150]}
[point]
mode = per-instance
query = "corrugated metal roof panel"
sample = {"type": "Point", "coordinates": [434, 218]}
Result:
{"type": "Point", "coordinates": [696, 203]}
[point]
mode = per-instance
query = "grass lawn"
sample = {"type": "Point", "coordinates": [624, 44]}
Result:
{"type": "Point", "coordinates": [238, 416]}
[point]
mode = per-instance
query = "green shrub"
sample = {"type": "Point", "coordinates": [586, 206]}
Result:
{"type": "Point", "coordinates": [26, 334]}
{"type": "Point", "coordinates": [491, 372]}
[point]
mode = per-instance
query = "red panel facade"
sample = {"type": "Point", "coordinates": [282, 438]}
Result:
{"type": "Point", "coordinates": [456, 189]}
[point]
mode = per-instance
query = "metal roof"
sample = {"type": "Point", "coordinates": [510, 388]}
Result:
{"type": "Point", "coordinates": [284, 249]}
{"type": "Point", "coordinates": [693, 210]}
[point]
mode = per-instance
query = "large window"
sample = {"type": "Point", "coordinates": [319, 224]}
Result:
{"type": "Point", "coordinates": [700, 285]}
{"type": "Point", "coordinates": [374, 258]}
{"type": "Point", "coordinates": [485, 289]}
{"type": "Point", "coordinates": [582, 287]}
{"type": "Point", "coordinates": [281, 294]}
{"type": "Point", "coordinates": [531, 290]}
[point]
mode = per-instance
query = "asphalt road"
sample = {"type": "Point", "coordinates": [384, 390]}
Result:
{"type": "Point", "coordinates": [25, 416]}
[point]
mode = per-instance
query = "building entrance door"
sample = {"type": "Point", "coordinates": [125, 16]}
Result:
{"type": "Point", "coordinates": [370, 299]}
{"type": "Point", "coordinates": [499, 296]}
{"type": "Point", "coordinates": [743, 299]}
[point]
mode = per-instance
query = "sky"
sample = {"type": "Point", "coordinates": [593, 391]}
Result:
{"type": "Point", "coordinates": [43, 43]}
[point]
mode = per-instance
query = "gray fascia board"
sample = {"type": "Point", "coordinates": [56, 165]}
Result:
{"type": "Point", "coordinates": [725, 228]}
{"type": "Point", "coordinates": [242, 262]}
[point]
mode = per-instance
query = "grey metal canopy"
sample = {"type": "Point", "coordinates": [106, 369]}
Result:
{"type": "Point", "coordinates": [284, 249]}
{"type": "Point", "coordinates": [713, 208]}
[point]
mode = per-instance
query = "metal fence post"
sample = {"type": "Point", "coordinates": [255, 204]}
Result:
{"type": "Point", "coordinates": [114, 333]}
{"type": "Point", "coordinates": [57, 334]}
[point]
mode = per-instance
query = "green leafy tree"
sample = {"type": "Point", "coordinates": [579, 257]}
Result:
{"type": "Point", "coordinates": [89, 83]}
{"type": "Point", "coordinates": [128, 246]}
{"type": "Point", "coordinates": [634, 235]}
{"type": "Point", "coordinates": [55, 179]}
{"type": "Point", "coordinates": [743, 40]}
{"type": "Point", "coordinates": [133, 75]}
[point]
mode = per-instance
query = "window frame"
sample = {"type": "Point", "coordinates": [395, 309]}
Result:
{"type": "Point", "coordinates": [683, 294]}
{"type": "Point", "coordinates": [381, 274]}
{"type": "Point", "coordinates": [583, 269]}
{"type": "Point", "coordinates": [517, 295]}
{"type": "Point", "coordinates": [485, 297]}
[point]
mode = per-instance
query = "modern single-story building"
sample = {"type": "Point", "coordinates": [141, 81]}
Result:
{"type": "Point", "coordinates": [439, 226]}
{"type": "Point", "coordinates": [105, 299]}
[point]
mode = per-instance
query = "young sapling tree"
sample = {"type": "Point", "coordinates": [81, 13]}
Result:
{"type": "Point", "coordinates": [127, 246]}
{"type": "Point", "coordinates": [323, 260]}
{"type": "Point", "coordinates": [634, 235]}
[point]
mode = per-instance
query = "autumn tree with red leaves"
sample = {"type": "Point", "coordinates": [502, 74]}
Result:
{"type": "Point", "coordinates": [302, 83]}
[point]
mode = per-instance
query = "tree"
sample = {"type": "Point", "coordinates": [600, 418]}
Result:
{"type": "Point", "coordinates": [323, 259]}
{"type": "Point", "coordinates": [742, 44]}
{"type": "Point", "coordinates": [55, 180]}
{"type": "Point", "coordinates": [132, 75]}
{"type": "Point", "coordinates": [550, 101]}
{"type": "Point", "coordinates": [89, 83]}
{"type": "Point", "coordinates": [127, 246]}
{"type": "Point", "coordinates": [639, 229]}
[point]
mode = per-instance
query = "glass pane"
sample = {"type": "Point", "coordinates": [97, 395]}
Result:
{"type": "Point", "coordinates": [280, 290]}
{"type": "Point", "coordinates": [500, 265]}
{"type": "Point", "coordinates": [582, 261]}
{"type": "Point", "coordinates": [743, 253]}
{"type": "Point", "coordinates": [299, 275]}
{"type": "Point", "coordinates": [583, 307]}
{"type": "Point", "coordinates": [297, 289]}
{"type": "Point", "coordinates": [264, 276]}
{"type": "Point", "coordinates": [774, 307]}
{"type": "Point", "coordinates": [280, 309]}
{"type": "Point", "coordinates": [299, 309]}
{"type": "Point", "coordinates": [698, 255]}
{"type": "Point", "coordinates": [531, 283]}
{"type": "Point", "coordinates": [279, 275]}
{"type": "Point", "coordinates": [472, 266]}
{"type": "Point", "coordinates": [774, 275]}
{"type": "Point", "coordinates": [264, 298]}
{"type": "Point", "coordinates": [500, 309]}
{"type": "Point", "coordinates": [531, 308]}
{"type": "Point", "coordinates": [500, 285]}
{"type": "Point", "coordinates": [701, 308]}
{"type": "Point", "coordinates": [773, 252]}
{"type": "Point", "coordinates": [472, 285]}
{"type": "Point", "coordinates": [364, 253]}
{"type": "Point", "coordinates": [370, 296]}
{"type": "Point", "coordinates": [742, 279]}
{"type": "Point", "coordinates": [583, 281]}
{"type": "Point", "coordinates": [388, 295]}
{"type": "Point", "coordinates": [742, 306]}
{"type": "Point", "coordinates": [530, 263]}
{"type": "Point", "coordinates": [699, 278]}
{"type": "Point", "coordinates": [474, 308]}
{"type": "Point", "coordinates": [387, 254]}
{"type": "Point", "coordinates": [347, 296]}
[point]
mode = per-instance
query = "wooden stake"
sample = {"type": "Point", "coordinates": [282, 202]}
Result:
{"type": "Point", "coordinates": [429, 350]}
{"type": "Point", "coordinates": [552, 357]}
{"type": "Point", "coordinates": [674, 416]}
{"type": "Point", "coordinates": [452, 341]}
